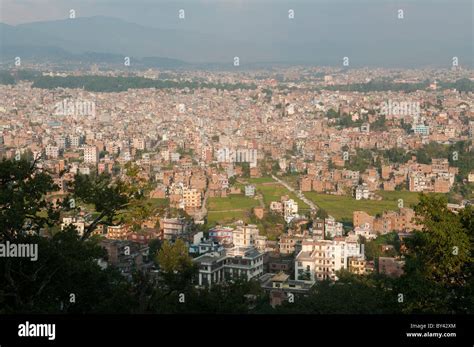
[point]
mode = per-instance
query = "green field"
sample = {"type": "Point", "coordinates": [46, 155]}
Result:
{"type": "Point", "coordinates": [232, 202]}
{"type": "Point", "coordinates": [230, 209]}
{"type": "Point", "coordinates": [224, 217]}
{"type": "Point", "coordinates": [259, 180]}
{"type": "Point", "coordinates": [158, 202]}
{"type": "Point", "coordinates": [291, 179]}
{"type": "Point", "coordinates": [235, 207]}
{"type": "Point", "coordinates": [274, 192]}
{"type": "Point", "coordinates": [341, 207]}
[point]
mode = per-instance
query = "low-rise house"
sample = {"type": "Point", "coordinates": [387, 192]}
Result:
{"type": "Point", "coordinates": [222, 235]}
{"type": "Point", "coordinates": [281, 288]}
{"type": "Point", "coordinates": [362, 192]}
{"type": "Point", "coordinates": [392, 267]}
{"type": "Point", "coordinates": [249, 190]}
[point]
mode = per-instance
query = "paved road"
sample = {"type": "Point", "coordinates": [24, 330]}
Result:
{"type": "Point", "coordinates": [298, 193]}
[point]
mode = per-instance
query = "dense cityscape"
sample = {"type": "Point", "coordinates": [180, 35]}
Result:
{"type": "Point", "coordinates": [132, 186]}
{"type": "Point", "coordinates": [286, 183]}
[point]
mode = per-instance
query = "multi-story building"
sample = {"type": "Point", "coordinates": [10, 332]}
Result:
{"type": "Point", "coordinates": [332, 228]}
{"type": "Point", "coordinates": [359, 266]}
{"type": "Point", "coordinates": [91, 155]}
{"type": "Point", "coordinates": [421, 129]}
{"type": "Point", "coordinates": [139, 143]}
{"type": "Point", "coordinates": [191, 198]}
{"type": "Point", "coordinates": [317, 230]}
{"type": "Point", "coordinates": [290, 210]}
{"type": "Point", "coordinates": [245, 235]}
{"type": "Point", "coordinates": [173, 228]}
{"type": "Point", "coordinates": [320, 259]}
{"type": "Point", "coordinates": [75, 140]}
{"type": "Point", "coordinates": [117, 232]}
{"type": "Point", "coordinates": [205, 246]}
{"type": "Point", "coordinates": [125, 255]}
{"type": "Point", "coordinates": [52, 152]}
{"type": "Point", "coordinates": [217, 267]}
{"type": "Point", "coordinates": [289, 244]}
{"type": "Point", "coordinates": [419, 182]}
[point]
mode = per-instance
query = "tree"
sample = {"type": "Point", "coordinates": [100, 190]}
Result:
{"type": "Point", "coordinates": [441, 250]}
{"type": "Point", "coordinates": [65, 277]}
{"type": "Point", "coordinates": [438, 276]}
{"type": "Point", "coordinates": [24, 207]}
{"type": "Point", "coordinates": [352, 294]}
{"type": "Point", "coordinates": [173, 257]}
{"type": "Point", "coordinates": [107, 197]}
{"type": "Point", "coordinates": [177, 267]}
{"type": "Point", "coordinates": [155, 246]}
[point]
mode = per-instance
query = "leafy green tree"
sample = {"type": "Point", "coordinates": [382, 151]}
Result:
{"type": "Point", "coordinates": [24, 207]}
{"type": "Point", "coordinates": [434, 280]}
{"type": "Point", "coordinates": [65, 277]}
{"type": "Point", "coordinates": [177, 267]}
{"type": "Point", "coordinates": [352, 294]}
{"type": "Point", "coordinates": [107, 197]}
{"type": "Point", "coordinates": [441, 250]}
{"type": "Point", "coordinates": [174, 257]}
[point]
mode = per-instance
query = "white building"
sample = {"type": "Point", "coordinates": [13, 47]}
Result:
{"type": "Point", "coordinates": [175, 156]}
{"type": "Point", "coordinates": [290, 210]}
{"type": "Point", "coordinates": [362, 192]}
{"type": "Point", "coordinates": [320, 259]}
{"type": "Point", "coordinates": [249, 190]}
{"type": "Point", "coordinates": [52, 151]}
{"type": "Point", "coordinates": [222, 235]}
{"type": "Point", "coordinates": [217, 267]}
{"type": "Point", "coordinates": [365, 231]}
{"type": "Point", "coordinates": [332, 228]}
{"type": "Point", "coordinates": [91, 155]}
{"type": "Point", "coordinates": [245, 235]}
{"type": "Point", "coordinates": [79, 224]}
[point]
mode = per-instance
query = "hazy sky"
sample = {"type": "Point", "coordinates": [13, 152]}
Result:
{"type": "Point", "coordinates": [339, 23]}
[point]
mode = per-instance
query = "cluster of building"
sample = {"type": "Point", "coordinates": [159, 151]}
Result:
{"type": "Point", "coordinates": [189, 145]}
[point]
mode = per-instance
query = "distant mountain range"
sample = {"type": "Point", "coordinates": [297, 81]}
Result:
{"type": "Point", "coordinates": [88, 40]}
{"type": "Point", "coordinates": [104, 39]}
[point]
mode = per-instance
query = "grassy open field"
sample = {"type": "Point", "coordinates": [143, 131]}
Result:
{"type": "Point", "coordinates": [341, 207]}
{"type": "Point", "coordinates": [229, 209]}
{"type": "Point", "coordinates": [259, 180]}
{"type": "Point", "coordinates": [235, 207]}
{"type": "Point", "coordinates": [223, 217]}
{"type": "Point", "coordinates": [156, 202]}
{"type": "Point", "coordinates": [232, 202]}
{"type": "Point", "coordinates": [274, 191]}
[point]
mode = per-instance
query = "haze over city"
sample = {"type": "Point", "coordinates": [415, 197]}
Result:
{"type": "Point", "coordinates": [257, 31]}
{"type": "Point", "coordinates": [202, 170]}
